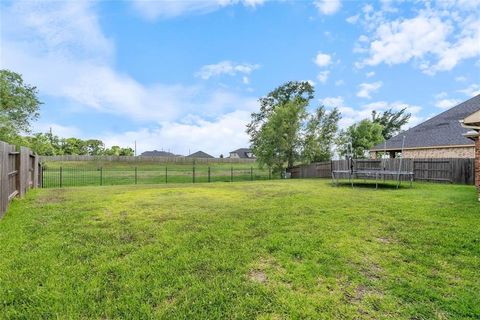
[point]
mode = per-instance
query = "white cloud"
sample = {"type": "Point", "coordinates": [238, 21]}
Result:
{"type": "Point", "coordinates": [218, 136]}
{"type": "Point", "coordinates": [339, 82]}
{"type": "Point", "coordinates": [225, 67]}
{"type": "Point", "coordinates": [351, 115]}
{"type": "Point", "coordinates": [57, 129]}
{"type": "Point", "coordinates": [79, 69]}
{"type": "Point", "coordinates": [333, 102]}
{"type": "Point", "coordinates": [353, 19]}
{"type": "Point", "coordinates": [367, 88]}
{"type": "Point", "coordinates": [437, 38]}
{"type": "Point", "coordinates": [441, 95]}
{"type": "Point", "coordinates": [327, 7]}
{"type": "Point", "coordinates": [446, 103]}
{"type": "Point", "coordinates": [370, 74]}
{"type": "Point", "coordinates": [323, 76]}
{"type": "Point", "coordinates": [472, 90]}
{"type": "Point", "coordinates": [322, 59]}
{"type": "Point", "coordinates": [460, 79]}
{"type": "Point", "coordinates": [165, 9]}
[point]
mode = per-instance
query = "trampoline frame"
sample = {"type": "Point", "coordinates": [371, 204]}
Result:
{"type": "Point", "coordinates": [377, 174]}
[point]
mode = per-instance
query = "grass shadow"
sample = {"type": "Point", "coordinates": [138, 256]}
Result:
{"type": "Point", "coordinates": [370, 184]}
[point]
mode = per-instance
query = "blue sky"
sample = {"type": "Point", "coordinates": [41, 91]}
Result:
{"type": "Point", "coordinates": [185, 75]}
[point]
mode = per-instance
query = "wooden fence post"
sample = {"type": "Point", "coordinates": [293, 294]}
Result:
{"type": "Point", "coordinates": [4, 152]}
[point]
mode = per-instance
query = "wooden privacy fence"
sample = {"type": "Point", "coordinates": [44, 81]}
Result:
{"type": "Point", "coordinates": [20, 170]}
{"type": "Point", "coordinates": [451, 170]}
{"type": "Point", "coordinates": [180, 160]}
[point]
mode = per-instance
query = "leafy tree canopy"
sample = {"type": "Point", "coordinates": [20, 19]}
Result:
{"type": "Point", "coordinates": [19, 106]}
{"type": "Point", "coordinates": [362, 136]}
{"type": "Point", "coordinates": [283, 133]}
{"type": "Point", "coordinates": [392, 121]}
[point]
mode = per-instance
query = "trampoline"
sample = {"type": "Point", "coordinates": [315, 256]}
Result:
{"type": "Point", "coordinates": [371, 169]}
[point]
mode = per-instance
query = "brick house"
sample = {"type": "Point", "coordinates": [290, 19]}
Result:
{"type": "Point", "coordinates": [242, 153]}
{"type": "Point", "coordinates": [472, 123]}
{"type": "Point", "coordinates": [442, 136]}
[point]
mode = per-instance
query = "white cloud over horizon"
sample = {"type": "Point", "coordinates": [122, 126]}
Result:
{"type": "Point", "coordinates": [215, 137]}
{"type": "Point", "coordinates": [70, 58]}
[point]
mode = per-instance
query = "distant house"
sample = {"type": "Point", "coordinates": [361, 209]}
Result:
{"type": "Point", "coordinates": [242, 153]}
{"type": "Point", "coordinates": [200, 154]}
{"type": "Point", "coordinates": [156, 153]}
{"type": "Point", "coordinates": [442, 136]}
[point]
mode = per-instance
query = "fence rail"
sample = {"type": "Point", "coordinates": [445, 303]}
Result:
{"type": "Point", "coordinates": [450, 170]}
{"type": "Point", "coordinates": [80, 176]}
{"type": "Point", "coordinates": [179, 160]}
{"type": "Point", "coordinates": [19, 171]}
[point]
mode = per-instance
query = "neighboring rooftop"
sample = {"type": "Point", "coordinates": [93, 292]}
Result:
{"type": "Point", "coordinates": [200, 154]}
{"type": "Point", "coordinates": [243, 153]}
{"type": "Point", "coordinates": [156, 153]}
{"type": "Point", "coordinates": [444, 129]}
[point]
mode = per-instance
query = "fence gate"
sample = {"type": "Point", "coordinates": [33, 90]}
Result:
{"type": "Point", "coordinates": [439, 170]}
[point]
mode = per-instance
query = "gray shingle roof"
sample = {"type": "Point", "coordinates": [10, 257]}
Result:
{"type": "Point", "coordinates": [242, 152]}
{"type": "Point", "coordinates": [441, 130]}
{"type": "Point", "coordinates": [156, 153]}
{"type": "Point", "coordinates": [199, 154]}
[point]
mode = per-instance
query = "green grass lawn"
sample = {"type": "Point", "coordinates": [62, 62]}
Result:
{"type": "Point", "coordinates": [94, 173]}
{"type": "Point", "coordinates": [285, 249]}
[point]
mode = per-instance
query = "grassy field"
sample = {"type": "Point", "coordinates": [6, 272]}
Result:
{"type": "Point", "coordinates": [285, 249]}
{"type": "Point", "coordinates": [94, 173]}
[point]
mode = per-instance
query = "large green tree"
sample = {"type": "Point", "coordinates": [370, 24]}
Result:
{"type": "Point", "coordinates": [278, 142]}
{"type": "Point", "coordinates": [320, 133]}
{"type": "Point", "coordinates": [392, 121]}
{"type": "Point", "coordinates": [19, 106]}
{"type": "Point", "coordinates": [283, 133]}
{"type": "Point", "coordinates": [361, 137]}
{"type": "Point", "coordinates": [274, 130]}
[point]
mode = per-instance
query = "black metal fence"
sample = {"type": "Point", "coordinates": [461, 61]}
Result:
{"type": "Point", "coordinates": [78, 176]}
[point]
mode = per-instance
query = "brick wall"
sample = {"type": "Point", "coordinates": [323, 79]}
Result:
{"type": "Point", "coordinates": [477, 163]}
{"type": "Point", "coordinates": [461, 152]}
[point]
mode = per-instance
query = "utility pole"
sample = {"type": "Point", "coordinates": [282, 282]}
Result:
{"type": "Point", "coordinates": [135, 148]}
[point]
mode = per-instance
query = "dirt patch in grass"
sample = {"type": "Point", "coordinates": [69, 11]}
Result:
{"type": "Point", "coordinates": [257, 276]}
{"type": "Point", "coordinates": [384, 240]}
{"type": "Point", "coordinates": [52, 197]}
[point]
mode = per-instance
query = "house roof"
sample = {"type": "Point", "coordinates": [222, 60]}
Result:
{"type": "Point", "coordinates": [156, 153]}
{"type": "Point", "coordinates": [442, 130]}
{"type": "Point", "coordinates": [472, 119]}
{"type": "Point", "coordinates": [242, 152]}
{"type": "Point", "coordinates": [199, 154]}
